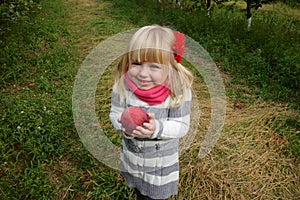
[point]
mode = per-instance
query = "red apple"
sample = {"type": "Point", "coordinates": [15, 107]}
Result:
{"type": "Point", "coordinates": [31, 85]}
{"type": "Point", "coordinates": [132, 117]}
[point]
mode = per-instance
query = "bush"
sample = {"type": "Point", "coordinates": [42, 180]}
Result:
{"type": "Point", "coordinates": [16, 9]}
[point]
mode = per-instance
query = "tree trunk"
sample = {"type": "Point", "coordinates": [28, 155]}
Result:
{"type": "Point", "coordinates": [249, 14]}
{"type": "Point", "coordinates": [208, 6]}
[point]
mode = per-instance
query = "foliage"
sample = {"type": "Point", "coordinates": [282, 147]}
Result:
{"type": "Point", "coordinates": [13, 10]}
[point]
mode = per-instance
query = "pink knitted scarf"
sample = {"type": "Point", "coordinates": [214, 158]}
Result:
{"type": "Point", "coordinates": [152, 96]}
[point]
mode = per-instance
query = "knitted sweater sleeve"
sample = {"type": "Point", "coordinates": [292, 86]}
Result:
{"type": "Point", "coordinates": [177, 123]}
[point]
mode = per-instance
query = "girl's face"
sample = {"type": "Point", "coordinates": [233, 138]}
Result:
{"type": "Point", "coordinates": [147, 75]}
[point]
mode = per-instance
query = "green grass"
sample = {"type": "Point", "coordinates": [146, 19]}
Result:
{"type": "Point", "coordinates": [42, 156]}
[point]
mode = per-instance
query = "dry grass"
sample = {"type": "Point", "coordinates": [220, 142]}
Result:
{"type": "Point", "coordinates": [246, 163]}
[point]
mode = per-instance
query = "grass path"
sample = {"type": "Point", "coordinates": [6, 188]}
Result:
{"type": "Point", "coordinates": [248, 162]}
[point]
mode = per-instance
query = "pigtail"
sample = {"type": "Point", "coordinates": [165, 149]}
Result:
{"type": "Point", "coordinates": [121, 69]}
{"type": "Point", "coordinates": [180, 82]}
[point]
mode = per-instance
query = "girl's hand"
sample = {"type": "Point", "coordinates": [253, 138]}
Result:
{"type": "Point", "coordinates": [145, 131]}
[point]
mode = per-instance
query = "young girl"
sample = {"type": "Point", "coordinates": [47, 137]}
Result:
{"type": "Point", "coordinates": [150, 76]}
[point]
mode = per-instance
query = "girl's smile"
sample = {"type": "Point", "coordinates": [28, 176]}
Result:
{"type": "Point", "coordinates": [147, 75]}
{"type": "Point", "coordinates": [143, 83]}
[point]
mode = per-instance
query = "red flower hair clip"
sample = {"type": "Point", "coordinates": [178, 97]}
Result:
{"type": "Point", "coordinates": [178, 47]}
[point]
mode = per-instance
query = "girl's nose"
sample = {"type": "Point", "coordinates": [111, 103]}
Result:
{"type": "Point", "coordinates": [143, 71]}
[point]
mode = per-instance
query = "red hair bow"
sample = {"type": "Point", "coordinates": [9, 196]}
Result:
{"type": "Point", "coordinates": [178, 47]}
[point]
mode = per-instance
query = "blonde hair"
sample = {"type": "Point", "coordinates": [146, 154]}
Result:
{"type": "Point", "coordinates": [154, 44]}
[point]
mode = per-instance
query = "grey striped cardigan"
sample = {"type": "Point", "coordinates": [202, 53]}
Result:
{"type": "Point", "coordinates": [151, 165]}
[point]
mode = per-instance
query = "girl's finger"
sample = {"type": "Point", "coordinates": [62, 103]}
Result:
{"type": "Point", "coordinates": [147, 126]}
{"type": "Point", "coordinates": [143, 132]}
{"type": "Point", "coordinates": [151, 115]}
